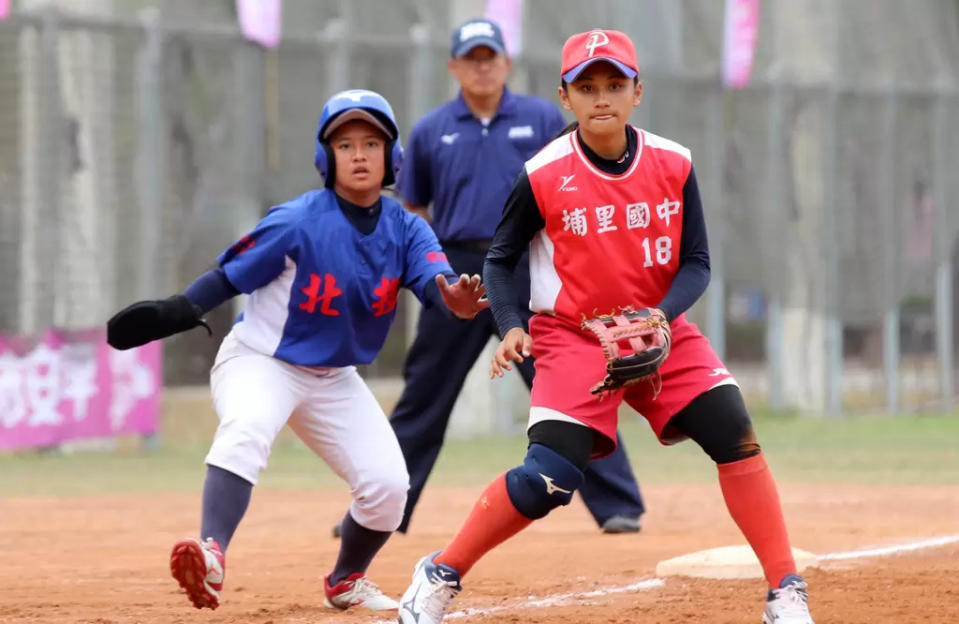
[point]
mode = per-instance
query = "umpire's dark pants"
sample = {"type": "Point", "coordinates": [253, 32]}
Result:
{"type": "Point", "coordinates": [442, 354]}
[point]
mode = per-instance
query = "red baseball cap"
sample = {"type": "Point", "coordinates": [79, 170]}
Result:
{"type": "Point", "coordinates": [583, 49]}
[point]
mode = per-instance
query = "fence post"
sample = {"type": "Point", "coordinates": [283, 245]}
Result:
{"type": "Point", "coordinates": [42, 163]}
{"type": "Point", "coordinates": [775, 178]}
{"type": "Point", "coordinates": [420, 92]}
{"type": "Point", "coordinates": [891, 347]}
{"type": "Point", "coordinates": [338, 48]}
{"type": "Point", "coordinates": [832, 241]}
{"type": "Point", "coordinates": [151, 161]}
{"type": "Point", "coordinates": [713, 187]}
{"type": "Point", "coordinates": [249, 135]}
{"type": "Point", "coordinates": [943, 166]}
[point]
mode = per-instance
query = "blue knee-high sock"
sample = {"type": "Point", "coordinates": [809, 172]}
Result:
{"type": "Point", "coordinates": [225, 499]}
{"type": "Point", "coordinates": [358, 546]}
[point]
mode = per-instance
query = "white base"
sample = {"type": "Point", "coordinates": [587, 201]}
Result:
{"type": "Point", "coordinates": [726, 562]}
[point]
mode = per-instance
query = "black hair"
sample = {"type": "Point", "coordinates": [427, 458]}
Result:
{"type": "Point", "coordinates": [565, 85]}
{"type": "Point", "coordinates": [571, 127]}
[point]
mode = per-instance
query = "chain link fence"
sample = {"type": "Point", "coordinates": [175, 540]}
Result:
{"type": "Point", "coordinates": [134, 149]}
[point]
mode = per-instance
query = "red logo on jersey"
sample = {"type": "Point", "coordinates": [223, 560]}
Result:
{"type": "Point", "coordinates": [242, 245]}
{"type": "Point", "coordinates": [330, 291]}
{"type": "Point", "coordinates": [436, 256]}
{"type": "Point", "coordinates": [386, 294]}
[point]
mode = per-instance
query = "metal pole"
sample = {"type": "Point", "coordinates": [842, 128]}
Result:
{"type": "Point", "coordinates": [152, 164]}
{"type": "Point", "coordinates": [832, 239]}
{"type": "Point", "coordinates": [420, 73]}
{"type": "Point", "coordinates": [338, 31]}
{"type": "Point", "coordinates": [249, 117]}
{"type": "Point", "coordinates": [942, 167]}
{"type": "Point", "coordinates": [421, 84]}
{"type": "Point", "coordinates": [775, 204]}
{"type": "Point", "coordinates": [775, 343]}
{"type": "Point", "coordinates": [43, 177]}
{"type": "Point", "coordinates": [891, 347]}
{"type": "Point", "coordinates": [713, 197]}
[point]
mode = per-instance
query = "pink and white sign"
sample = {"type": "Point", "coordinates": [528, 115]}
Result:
{"type": "Point", "coordinates": [740, 32]}
{"type": "Point", "coordinates": [72, 385]}
{"type": "Point", "coordinates": [508, 14]}
{"type": "Point", "coordinates": [4, 9]}
{"type": "Point", "coordinates": [261, 21]}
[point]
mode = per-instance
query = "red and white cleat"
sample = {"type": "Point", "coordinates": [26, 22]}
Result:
{"type": "Point", "coordinates": [357, 591]}
{"type": "Point", "coordinates": [198, 567]}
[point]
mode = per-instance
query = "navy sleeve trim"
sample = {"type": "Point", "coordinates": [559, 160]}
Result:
{"type": "Point", "coordinates": [692, 278]}
{"type": "Point", "coordinates": [520, 222]}
{"type": "Point", "coordinates": [210, 290]}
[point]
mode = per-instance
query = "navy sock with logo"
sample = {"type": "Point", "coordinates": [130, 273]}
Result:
{"type": "Point", "coordinates": [225, 499]}
{"type": "Point", "coordinates": [358, 546]}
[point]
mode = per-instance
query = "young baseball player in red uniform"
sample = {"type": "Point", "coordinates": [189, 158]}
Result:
{"type": "Point", "coordinates": [610, 195]}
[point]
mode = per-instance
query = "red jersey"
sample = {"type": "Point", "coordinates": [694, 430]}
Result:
{"type": "Point", "coordinates": [631, 224]}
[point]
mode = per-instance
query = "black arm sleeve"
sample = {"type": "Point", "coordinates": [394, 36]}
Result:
{"type": "Point", "coordinates": [520, 222]}
{"type": "Point", "coordinates": [693, 274]}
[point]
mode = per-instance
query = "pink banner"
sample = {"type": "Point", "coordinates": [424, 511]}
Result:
{"type": "Point", "coordinates": [4, 9]}
{"type": "Point", "coordinates": [740, 31]}
{"type": "Point", "coordinates": [72, 385]}
{"type": "Point", "coordinates": [508, 14]}
{"type": "Point", "coordinates": [261, 21]}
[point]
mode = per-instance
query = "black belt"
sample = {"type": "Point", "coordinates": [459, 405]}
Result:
{"type": "Point", "coordinates": [476, 245]}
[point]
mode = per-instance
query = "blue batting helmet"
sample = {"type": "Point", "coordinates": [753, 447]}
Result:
{"type": "Point", "coordinates": [357, 104]}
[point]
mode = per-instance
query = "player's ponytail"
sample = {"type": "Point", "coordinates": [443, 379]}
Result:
{"type": "Point", "coordinates": [570, 128]}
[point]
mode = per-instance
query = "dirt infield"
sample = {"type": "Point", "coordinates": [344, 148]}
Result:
{"type": "Point", "coordinates": [103, 560]}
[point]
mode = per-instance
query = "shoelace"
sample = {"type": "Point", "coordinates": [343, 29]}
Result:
{"type": "Point", "coordinates": [438, 598]}
{"type": "Point", "coordinates": [363, 588]}
{"type": "Point", "coordinates": [794, 599]}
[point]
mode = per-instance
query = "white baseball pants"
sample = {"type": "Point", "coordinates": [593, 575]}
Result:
{"type": "Point", "coordinates": [331, 409]}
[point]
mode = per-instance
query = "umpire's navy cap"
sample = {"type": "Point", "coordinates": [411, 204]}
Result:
{"type": "Point", "coordinates": [477, 32]}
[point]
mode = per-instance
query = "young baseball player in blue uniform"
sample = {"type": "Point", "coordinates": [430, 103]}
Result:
{"type": "Point", "coordinates": [323, 271]}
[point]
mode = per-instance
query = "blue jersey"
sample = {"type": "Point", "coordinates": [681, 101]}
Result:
{"type": "Point", "coordinates": [322, 293]}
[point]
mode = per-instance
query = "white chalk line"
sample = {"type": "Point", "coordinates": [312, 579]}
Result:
{"type": "Point", "coordinates": [654, 583]}
{"type": "Point", "coordinates": [891, 550]}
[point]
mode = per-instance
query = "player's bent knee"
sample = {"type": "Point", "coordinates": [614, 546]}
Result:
{"type": "Point", "coordinates": [545, 481]}
{"type": "Point", "coordinates": [245, 454]}
{"type": "Point", "coordinates": [378, 504]}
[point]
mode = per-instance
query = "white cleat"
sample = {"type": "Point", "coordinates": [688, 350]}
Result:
{"type": "Point", "coordinates": [789, 604]}
{"type": "Point", "coordinates": [429, 595]}
{"type": "Point", "coordinates": [356, 591]}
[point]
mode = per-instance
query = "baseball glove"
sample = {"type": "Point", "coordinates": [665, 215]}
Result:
{"type": "Point", "coordinates": [145, 321]}
{"type": "Point", "coordinates": [647, 334]}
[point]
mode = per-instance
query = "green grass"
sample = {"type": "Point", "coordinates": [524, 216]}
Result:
{"type": "Point", "coordinates": [867, 450]}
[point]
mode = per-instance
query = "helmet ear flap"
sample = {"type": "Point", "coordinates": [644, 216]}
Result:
{"type": "Point", "coordinates": [394, 159]}
{"type": "Point", "coordinates": [329, 173]}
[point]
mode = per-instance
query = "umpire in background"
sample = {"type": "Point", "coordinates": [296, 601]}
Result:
{"type": "Point", "coordinates": [463, 157]}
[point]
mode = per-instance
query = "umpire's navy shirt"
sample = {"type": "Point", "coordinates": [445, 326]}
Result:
{"type": "Point", "coordinates": [467, 169]}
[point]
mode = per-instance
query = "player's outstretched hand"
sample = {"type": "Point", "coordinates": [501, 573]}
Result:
{"type": "Point", "coordinates": [464, 297]}
{"type": "Point", "coordinates": [515, 346]}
